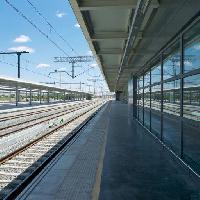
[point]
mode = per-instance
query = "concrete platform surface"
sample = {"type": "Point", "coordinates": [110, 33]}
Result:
{"type": "Point", "coordinates": [136, 166]}
{"type": "Point", "coordinates": [74, 173]}
{"type": "Point", "coordinates": [114, 158]}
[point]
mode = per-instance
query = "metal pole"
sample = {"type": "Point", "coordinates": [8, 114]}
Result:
{"type": "Point", "coordinates": [30, 102]}
{"type": "Point", "coordinates": [72, 69]}
{"type": "Point", "coordinates": [48, 96]}
{"type": "Point", "coordinates": [40, 97]}
{"type": "Point", "coordinates": [18, 64]}
{"type": "Point", "coordinates": [16, 96]}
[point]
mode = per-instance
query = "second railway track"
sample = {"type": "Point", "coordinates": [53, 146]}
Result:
{"type": "Point", "coordinates": [26, 123]}
{"type": "Point", "coordinates": [19, 166]}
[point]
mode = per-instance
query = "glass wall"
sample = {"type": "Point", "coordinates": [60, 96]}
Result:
{"type": "Point", "coordinates": [155, 110]}
{"type": "Point", "coordinates": [147, 100]}
{"type": "Point", "coordinates": [169, 96]}
{"type": "Point", "coordinates": [191, 97]}
{"type": "Point", "coordinates": [140, 97]}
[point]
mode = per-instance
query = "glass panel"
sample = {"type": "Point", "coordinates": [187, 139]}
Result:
{"type": "Point", "coordinates": [191, 121]}
{"type": "Point", "coordinates": [147, 107]}
{"type": "Point", "coordinates": [141, 99]}
{"type": "Point", "coordinates": [192, 48]}
{"type": "Point", "coordinates": [147, 79]}
{"type": "Point", "coordinates": [171, 111]}
{"type": "Point", "coordinates": [155, 109]}
{"type": "Point", "coordinates": [138, 99]}
{"type": "Point", "coordinates": [156, 74]}
{"type": "Point", "coordinates": [171, 64]}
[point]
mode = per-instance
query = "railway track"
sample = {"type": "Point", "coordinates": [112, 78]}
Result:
{"type": "Point", "coordinates": [33, 111]}
{"type": "Point", "coordinates": [20, 167]}
{"type": "Point", "coordinates": [47, 115]}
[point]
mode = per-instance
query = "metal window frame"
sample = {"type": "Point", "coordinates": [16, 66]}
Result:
{"type": "Point", "coordinates": [180, 38]}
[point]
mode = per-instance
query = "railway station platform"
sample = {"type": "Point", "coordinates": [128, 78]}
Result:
{"type": "Point", "coordinates": [114, 157]}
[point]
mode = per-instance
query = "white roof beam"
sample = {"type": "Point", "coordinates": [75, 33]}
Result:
{"type": "Point", "coordinates": [109, 35]}
{"type": "Point", "coordinates": [111, 51]}
{"type": "Point", "coordinates": [85, 5]}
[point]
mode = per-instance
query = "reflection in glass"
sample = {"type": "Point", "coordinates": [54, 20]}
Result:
{"type": "Point", "coordinates": [147, 79]}
{"type": "Point", "coordinates": [155, 109]}
{"type": "Point", "coordinates": [147, 107]}
{"type": "Point", "coordinates": [156, 74]}
{"type": "Point", "coordinates": [192, 49]}
{"type": "Point", "coordinates": [191, 120]}
{"type": "Point", "coordinates": [171, 63]}
{"type": "Point", "coordinates": [140, 107]}
{"type": "Point", "coordinates": [171, 97]}
{"type": "Point", "coordinates": [174, 126]}
{"type": "Point", "coordinates": [171, 111]}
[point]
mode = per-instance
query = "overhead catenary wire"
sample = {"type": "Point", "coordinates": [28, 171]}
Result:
{"type": "Point", "coordinates": [25, 68]}
{"type": "Point", "coordinates": [35, 26]}
{"type": "Point", "coordinates": [51, 26]}
{"type": "Point", "coordinates": [42, 32]}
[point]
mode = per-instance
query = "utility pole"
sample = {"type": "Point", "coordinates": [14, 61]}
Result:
{"type": "Point", "coordinates": [89, 87]}
{"type": "Point", "coordinates": [81, 86]}
{"type": "Point", "coordinates": [60, 74]}
{"type": "Point", "coordinates": [94, 82]}
{"type": "Point", "coordinates": [73, 61]}
{"type": "Point", "coordinates": [18, 53]}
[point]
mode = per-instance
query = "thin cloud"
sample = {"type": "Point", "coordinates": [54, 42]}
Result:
{"type": "Point", "coordinates": [22, 39]}
{"type": "Point", "coordinates": [22, 48]}
{"type": "Point", "coordinates": [77, 25]}
{"type": "Point", "coordinates": [60, 14]}
{"type": "Point", "coordinates": [89, 53]}
{"type": "Point", "coordinates": [94, 65]}
{"type": "Point", "coordinates": [42, 65]}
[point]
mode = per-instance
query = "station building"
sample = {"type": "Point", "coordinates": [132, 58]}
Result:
{"type": "Point", "coordinates": [149, 53]}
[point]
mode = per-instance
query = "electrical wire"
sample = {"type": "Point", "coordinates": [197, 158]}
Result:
{"type": "Point", "coordinates": [51, 26]}
{"type": "Point", "coordinates": [42, 32]}
{"type": "Point", "coordinates": [26, 69]}
{"type": "Point", "coordinates": [35, 26]}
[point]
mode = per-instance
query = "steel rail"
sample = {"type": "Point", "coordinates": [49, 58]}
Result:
{"type": "Point", "coordinates": [60, 145]}
{"type": "Point", "coordinates": [37, 121]}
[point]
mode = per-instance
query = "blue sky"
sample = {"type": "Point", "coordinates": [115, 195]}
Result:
{"type": "Point", "coordinates": [17, 34]}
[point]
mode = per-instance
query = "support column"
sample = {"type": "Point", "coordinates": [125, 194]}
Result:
{"type": "Point", "coordinates": [16, 96]}
{"type": "Point", "coordinates": [40, 96]}
{"type": "Point", "coordinates": [48, 96]}
{"type": "Point", "coordinates": [19, 96]}
{"type": "Point", "coordinates": [26, 96]}
{"type": "Point", "coordinates": [30, 101]}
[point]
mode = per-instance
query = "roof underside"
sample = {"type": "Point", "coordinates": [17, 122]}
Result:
{"type": "Point", "coordinates": [107, 25]}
